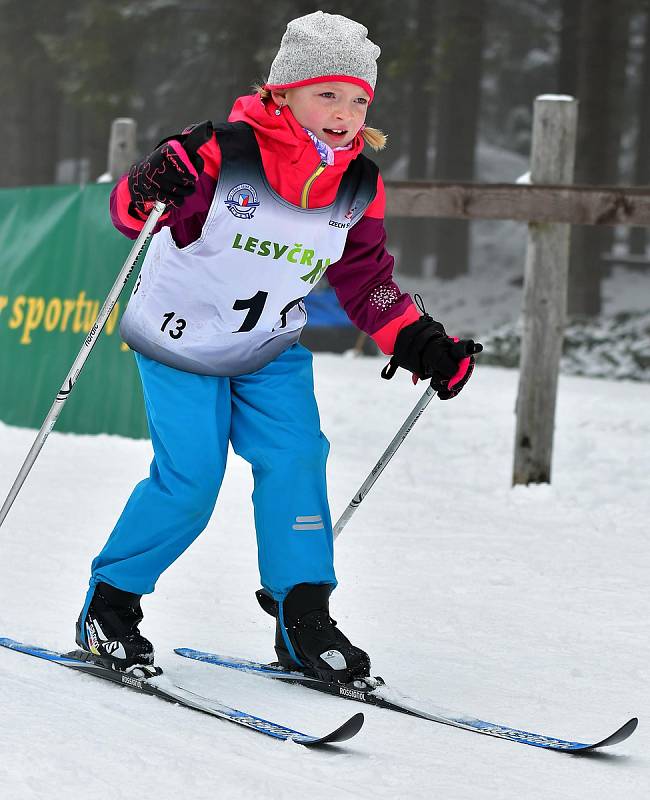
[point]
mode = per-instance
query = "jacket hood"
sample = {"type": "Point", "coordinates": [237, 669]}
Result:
{"type": "Point", "coordinates": [282, 133]}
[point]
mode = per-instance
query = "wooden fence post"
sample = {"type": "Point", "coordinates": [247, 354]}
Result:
{"type": "Point", "coordinates": [121, 146]}
{"type": "Point", "coordinates": [545, 290]}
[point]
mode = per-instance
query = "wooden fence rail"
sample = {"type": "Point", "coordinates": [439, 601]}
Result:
{"type": "Point", "coordinates": [577, 205]}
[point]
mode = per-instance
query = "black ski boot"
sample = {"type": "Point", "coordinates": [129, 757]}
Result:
{"type": "Point", "coordinates": [321, 649]}
{"type": "Point", "coordinates": [109, 629]}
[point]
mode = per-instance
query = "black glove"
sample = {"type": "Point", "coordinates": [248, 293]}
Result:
{"type": "Point", "coordinates": [424, 349]}
{"type": "Point", "coordinates": [169, 174]}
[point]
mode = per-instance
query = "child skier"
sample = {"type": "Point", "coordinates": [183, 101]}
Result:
{"type": "Point", "coordinates": [256, 210]}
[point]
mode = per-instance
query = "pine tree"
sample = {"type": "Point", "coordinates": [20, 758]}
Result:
{"type": "Point", "coordinates": [639, 236]}
{"type": "Point", "coordinates": [604, 37]}
{"type": "Point", "coordinates": [459, 79]}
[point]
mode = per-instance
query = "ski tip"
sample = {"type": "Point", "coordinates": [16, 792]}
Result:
{"type": "Point", "coordinates": [624, 732]}
{"type": "Point", "coordinates": [346, 731]}
{"type": "Point", "coordinates": [620, 735]}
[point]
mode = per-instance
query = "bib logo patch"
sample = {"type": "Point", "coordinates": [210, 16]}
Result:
{"type": "Point", "coordinates": [348, 217]}
{"type": "Point", "coordinates": [242, 201]}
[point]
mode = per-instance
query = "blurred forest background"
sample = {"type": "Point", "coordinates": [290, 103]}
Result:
{"type": "Point", "coordinates": [457, 81]}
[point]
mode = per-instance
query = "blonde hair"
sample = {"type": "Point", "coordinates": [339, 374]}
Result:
{"type": "Point", "coordinates": [373, 137]}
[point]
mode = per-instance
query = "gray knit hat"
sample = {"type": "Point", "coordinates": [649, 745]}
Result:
{"type": "Point", "coordinates": [320, 46]}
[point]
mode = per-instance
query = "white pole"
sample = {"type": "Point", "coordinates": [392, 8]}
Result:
{"type": "Point", "coordinates": [388, 453]}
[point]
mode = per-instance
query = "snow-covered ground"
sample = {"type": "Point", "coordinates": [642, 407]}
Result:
{"type": "Point", "coordinates": [526, 606]}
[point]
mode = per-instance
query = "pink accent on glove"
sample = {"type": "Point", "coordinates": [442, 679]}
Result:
{"type": "Point", "coordinates": [463, 366]}
{"type": "Point", "coordinates": [180, 151]}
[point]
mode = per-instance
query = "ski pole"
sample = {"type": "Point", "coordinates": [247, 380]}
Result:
{"type": "Point", "coordinates": [89, 343]}
{"type": "Point", "coordinates": [388, 453]}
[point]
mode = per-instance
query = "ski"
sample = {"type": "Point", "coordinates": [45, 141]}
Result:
{"type": "Point", "coordinates": [161, 687]}
{"type": "Point", "coordinates": [373, 691]}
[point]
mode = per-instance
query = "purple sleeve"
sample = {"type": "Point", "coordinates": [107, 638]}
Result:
{"type": "Point", "coordinates": [186, 221]}
{"type": "Point", "coordinates": [363, 281]}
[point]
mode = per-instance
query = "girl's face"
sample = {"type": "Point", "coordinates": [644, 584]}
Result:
{"type": "Point", "coordinates": [334, 111]}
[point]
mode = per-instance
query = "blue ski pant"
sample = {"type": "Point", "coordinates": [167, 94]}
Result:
{"type": "Point", "coordinates": [272, 421]}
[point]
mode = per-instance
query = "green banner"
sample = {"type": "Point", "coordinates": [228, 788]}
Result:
{"type": "Point", "coordinates": [59, 257]}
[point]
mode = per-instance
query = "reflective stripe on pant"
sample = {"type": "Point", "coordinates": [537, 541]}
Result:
{"type": "Point", "coordinates": [271, 418]}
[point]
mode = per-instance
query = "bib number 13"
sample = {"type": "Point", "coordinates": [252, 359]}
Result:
{"type": "Point", "coordinates": [180, 325]}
